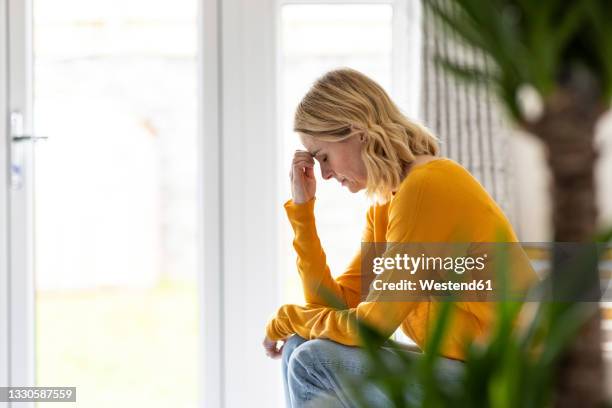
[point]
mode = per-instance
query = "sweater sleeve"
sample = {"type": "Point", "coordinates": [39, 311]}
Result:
{"type": "Point", "coordinates": [412, 203]}
{"type": "Point", "coordinates": [317, 281]}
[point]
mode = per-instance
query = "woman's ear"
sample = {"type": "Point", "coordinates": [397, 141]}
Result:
{"type": "Point", "coordinates": [362, 132]}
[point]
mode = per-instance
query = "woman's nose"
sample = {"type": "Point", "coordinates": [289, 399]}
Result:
{"type": "Point", "coordinates": [326, 172]}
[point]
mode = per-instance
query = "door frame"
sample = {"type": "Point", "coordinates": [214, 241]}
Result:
{"type": "Point", "coordinates": [22, 318]}
{"type": "Point", "coordinates": [16, 205]}
{"type": "Point", "coordinates": [4, 202]}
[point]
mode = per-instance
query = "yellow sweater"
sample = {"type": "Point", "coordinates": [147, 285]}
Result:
{"type": "Point", "coordinates": [438, 201]}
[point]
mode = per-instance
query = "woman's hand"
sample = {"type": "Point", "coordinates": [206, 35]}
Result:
{"type": "Point", "coordinates": [272, 349]}
{"type": "Point", "coordinates": [303, 183]}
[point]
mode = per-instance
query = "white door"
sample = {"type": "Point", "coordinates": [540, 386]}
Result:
{"type": "Point", "coordinates": [98, 240]}
{"type": "Point", "coordinates": [16, 209]}
{"type": "Point", "coordinates": [4, 309]}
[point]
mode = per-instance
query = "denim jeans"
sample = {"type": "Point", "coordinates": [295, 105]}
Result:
{"type": "Point", "coordinates": [313, 372]}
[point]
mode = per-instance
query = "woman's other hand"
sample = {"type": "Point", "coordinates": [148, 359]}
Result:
{"type": "Point", "coordinates": [303, 183]}
{"type": "Point", "coordinates": [272, 349]}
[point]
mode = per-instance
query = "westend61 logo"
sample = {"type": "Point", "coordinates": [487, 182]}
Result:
{"type": "Point", "coordinates": [411, 264]}
{"type": "Point", "coordinates": [485, 271]}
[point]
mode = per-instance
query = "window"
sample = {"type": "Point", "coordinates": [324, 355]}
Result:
{"type": "Point", "coordinates": [116, 305]}
{"type": "Point", "coordinates": [316, 38]}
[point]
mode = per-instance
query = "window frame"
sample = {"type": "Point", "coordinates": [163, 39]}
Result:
{"type": "Point", "coordinates": [406, 38]}
{"type": "Point", "coordinates": [406, 19]}
{"type": "Point", "coordinates": [237, 156]}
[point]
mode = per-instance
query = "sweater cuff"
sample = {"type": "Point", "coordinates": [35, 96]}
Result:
{"type": "Point", "coordinates": [278, 329]}
{"type": "Point", "coordinates": [300, 213]}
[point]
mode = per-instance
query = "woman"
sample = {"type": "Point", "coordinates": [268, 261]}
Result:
{"type": "Point", "coordinates": [360, 138]}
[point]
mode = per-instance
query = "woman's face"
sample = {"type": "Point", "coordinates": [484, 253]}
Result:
{"type": "Point", "coordinates": [339, 160]}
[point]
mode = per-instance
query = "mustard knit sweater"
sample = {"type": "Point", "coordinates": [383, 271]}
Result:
{"type": "Point", "coordinates": [438, 201]}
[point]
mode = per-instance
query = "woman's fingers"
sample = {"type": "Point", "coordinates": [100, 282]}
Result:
{"type": "Point", "coordinates": [302, 153]}
{"type": "Point", "coordinates": [303, 161]}
{"type": "Point", "coordinates": [274, 354]}
{"type": "Point", "coordinates": [303, 157]}
{"type": "Point", "coordinates": [272, 348]}
{"type": "Point", "coordinates": [303, 183]}
{"type": "Point", "coordinates": [302, 167]}
{"type": "Point", "coordinates": [298, 156]}
{"type": "Point", "coordinates": [309, 172]}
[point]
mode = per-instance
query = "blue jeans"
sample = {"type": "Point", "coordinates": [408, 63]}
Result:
{"type": "Point", "coordinates": [313, 371]}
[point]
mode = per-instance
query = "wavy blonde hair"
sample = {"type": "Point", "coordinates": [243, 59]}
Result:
{"type": "Point", "coordinates": [343, 102]}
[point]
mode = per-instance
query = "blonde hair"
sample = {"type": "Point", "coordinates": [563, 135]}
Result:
{"type": "Point", "coordinates": [343, 102]}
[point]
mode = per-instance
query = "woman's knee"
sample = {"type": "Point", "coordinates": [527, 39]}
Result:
{"type": "Point", "coordinates": [290, 345]}
{"type": "Point", "coordinates": [317, 368]}
{"type": "Point", "coordinates": [310, 353]}
{"type": "Point", "coordinates": [303, 367]}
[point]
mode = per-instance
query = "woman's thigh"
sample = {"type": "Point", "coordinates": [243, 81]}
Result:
{"type": "Point", "coordinates": [289, 347]}
{"type": "Point", "coordinates": [322, 370]}
{"type": "Point", "coordinates": [318, 371]}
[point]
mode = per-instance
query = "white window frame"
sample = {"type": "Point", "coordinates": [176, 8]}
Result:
{"type": "Point", "coordinates": [406, 34]}
{"type": "Point", "coordinates": [238, 156]}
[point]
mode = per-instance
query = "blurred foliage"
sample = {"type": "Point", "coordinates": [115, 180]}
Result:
{"type": "Point", "coordinates": [543, 44]}
{"type": "Point", "coordinates": [513, 368]}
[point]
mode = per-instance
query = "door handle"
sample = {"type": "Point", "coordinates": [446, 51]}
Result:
{"type": "Point", "coordinates": [17, 134]}
{"type": "Point", "coordinates": [21, 155]}
{"type": "Point", "coordinates": [26, 138]}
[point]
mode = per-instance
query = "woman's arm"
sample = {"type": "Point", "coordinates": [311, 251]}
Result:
{"type": "Point", "coordinates": [432, 206]}
{"type": "Point", "coordinates": [317, 321]}
{"type": "Point", "coordinates": [317, 281]}
{"type": "Point", "coordinates": [409, 221]}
